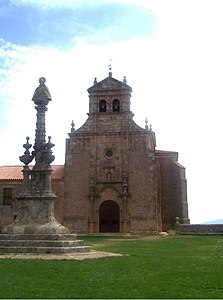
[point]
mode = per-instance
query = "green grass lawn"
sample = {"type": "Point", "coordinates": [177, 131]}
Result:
{"type": "Point", "coordinates": [151, 267]}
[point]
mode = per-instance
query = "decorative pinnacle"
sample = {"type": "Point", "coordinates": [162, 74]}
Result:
{"type": "Point", "coordinates": [72, 126]}
{"type": "Point", "coordinates": [146, 124]}
{"type": "Point", "coordinates": [27, 145]}
{"type": "Point", "coordinates": [110, 68]}
{"type": "Point", "coordinates": [49, 144]}
{"type": "Point", "coordinates": [177, 220]}
{"type": "Point", "coordinates": [48, 156]}
{"type": "Point", "coordinates": [26, 158]}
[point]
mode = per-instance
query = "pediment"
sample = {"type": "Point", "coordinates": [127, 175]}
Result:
{"type": "Point", "coordinates": [109, 83]}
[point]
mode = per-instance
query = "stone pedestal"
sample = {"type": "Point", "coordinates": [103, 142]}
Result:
{"type": "Point", "coordinates": [35, 216]}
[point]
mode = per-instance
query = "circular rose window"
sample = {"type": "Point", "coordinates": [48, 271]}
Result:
{"type": "Point", "coordinates": [109, 153]}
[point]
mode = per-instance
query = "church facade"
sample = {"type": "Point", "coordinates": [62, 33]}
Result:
{"type": "Point", "coordinates": [114, 179]}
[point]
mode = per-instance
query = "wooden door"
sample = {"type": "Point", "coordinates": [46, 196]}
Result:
{"type": "Point", "coordinates": [109, 216]}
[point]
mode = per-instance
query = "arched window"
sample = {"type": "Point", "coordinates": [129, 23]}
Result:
{"type": "Point", "coordinates": [102, 106]}
{"type": "Point", "coordinates": [116, 105]}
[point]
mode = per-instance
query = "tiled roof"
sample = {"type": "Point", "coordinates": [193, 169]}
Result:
{"type": "Point", "coordinates": [15, 172]}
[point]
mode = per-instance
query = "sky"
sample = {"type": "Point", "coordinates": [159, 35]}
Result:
{"type": "Point", "coordinates": [171, 52]}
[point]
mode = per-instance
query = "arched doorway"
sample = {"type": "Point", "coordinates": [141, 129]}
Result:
{"type": "Point", "coordinates": [109, 216]}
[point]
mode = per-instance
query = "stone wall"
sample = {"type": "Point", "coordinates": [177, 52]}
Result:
{"type": "Point", "coordinates": [199, 228]}
{"type": "Point", "coordinates": [173, 190]}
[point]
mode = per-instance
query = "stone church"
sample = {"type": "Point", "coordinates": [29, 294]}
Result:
{"type": "Point", "coordinates": [114, 179]}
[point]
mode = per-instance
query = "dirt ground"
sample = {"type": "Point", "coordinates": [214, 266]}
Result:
{"type": "Point", "coordinates": [74, 256]}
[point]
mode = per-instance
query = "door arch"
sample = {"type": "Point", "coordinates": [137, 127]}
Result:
{"type": "Point", "coordinates": [109, 216]}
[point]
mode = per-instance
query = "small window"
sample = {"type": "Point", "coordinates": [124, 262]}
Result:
{"type": "Point", "coordinates": [7, 196]}
{"type": "Point", "coordinates": [116, 105]}
{"type": "Point", "coordinates": [102, 106]}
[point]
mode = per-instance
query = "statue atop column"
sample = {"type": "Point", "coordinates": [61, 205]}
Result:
{"type": "Point", "coordinates": [36, 201]}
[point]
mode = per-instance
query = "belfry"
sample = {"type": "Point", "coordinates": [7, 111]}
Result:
{"type": "Point", "coordinates": [114, 180]}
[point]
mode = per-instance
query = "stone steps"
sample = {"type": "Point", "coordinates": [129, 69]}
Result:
{"type": "Point", "coordinates": [44, 250]}
{"type": "Point", "coordinates": [41, 244]}
{"type": "Point", "coordinates": [59, 237]}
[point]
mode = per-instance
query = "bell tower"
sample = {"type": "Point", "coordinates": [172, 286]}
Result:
{"type": "Point", "coordinates": [109, 96]}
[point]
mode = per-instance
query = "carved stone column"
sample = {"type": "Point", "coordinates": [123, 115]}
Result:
{"type": "Point", "coordinates": [92, 196]}
{"type": "Point", "coordinates": [125, 195]}
{"type": "Point", "coordinates": [36, 201]}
